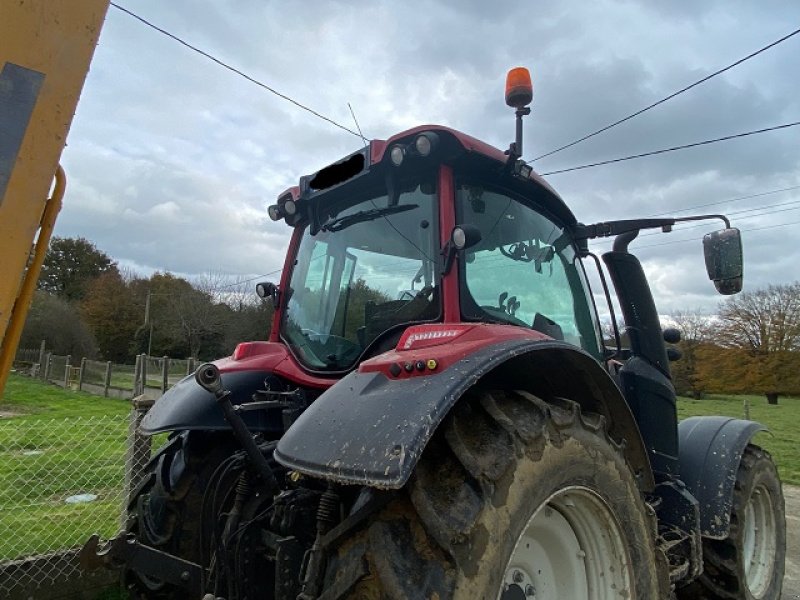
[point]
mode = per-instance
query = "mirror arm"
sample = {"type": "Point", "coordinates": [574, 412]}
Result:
{"type": "Point", "coordinates": [448, 257]}
{"type": "Point", "coordinates": [722, 218]}
{"type": "Point", "coordinates": [622, 240]}
{"type": "Point", "coordinates": [613, 228]}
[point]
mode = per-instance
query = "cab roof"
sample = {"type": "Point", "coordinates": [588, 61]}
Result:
{"type": "Point", "coordinates": [463, 152]}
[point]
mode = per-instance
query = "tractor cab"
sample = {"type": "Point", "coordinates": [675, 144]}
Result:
{"type": "Point", "coordinates": [429, 226]}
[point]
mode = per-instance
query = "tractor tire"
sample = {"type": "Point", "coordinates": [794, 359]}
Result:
{"type": "Point", "coordinates": [749, 563]}
{"type": "Point", "coordinates": [165, 511]}
{"type": "Point", "coordinates": [513, 498]}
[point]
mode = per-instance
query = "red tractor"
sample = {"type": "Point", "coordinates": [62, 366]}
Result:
{"type": "Point", "coordinates": [436, 414]}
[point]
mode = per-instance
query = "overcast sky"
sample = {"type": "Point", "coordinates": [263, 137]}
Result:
{"type": "Point", "coordinates": [172, 160]}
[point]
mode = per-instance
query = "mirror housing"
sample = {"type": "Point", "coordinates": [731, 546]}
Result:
{"type": "Point", "coordinates": [724, 260]}
{"type": "Point", "coordinates": [267, 289]}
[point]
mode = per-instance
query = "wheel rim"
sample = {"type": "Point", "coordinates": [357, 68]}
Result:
{"type": "Point", "coordinates": [572, 547]}
{"type": "Point", "coordinates": [759, 545]}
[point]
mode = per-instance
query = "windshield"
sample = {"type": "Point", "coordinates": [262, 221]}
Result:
{"type": "Point", "coordinates": [524, 271]}
{"type": "Point", "coordinates": [369, 269]}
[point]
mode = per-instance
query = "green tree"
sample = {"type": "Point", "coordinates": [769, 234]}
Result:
{"type": "Point", "coordinates": [70, 265]}
{"type": "Point", "coordinates": [113, 315]}
{"type": "Point", "coordinates": [60, 325]}
{"type": "Point", "coordinates": [180, 320]}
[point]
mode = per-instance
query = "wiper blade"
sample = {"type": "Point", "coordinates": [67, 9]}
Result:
{"type": "Point", "coordinates": [365, 215]}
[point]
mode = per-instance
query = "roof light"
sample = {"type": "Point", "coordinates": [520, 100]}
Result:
{"type": "Point", "coordinates": [275, 212]}
{"type": "Point", "coordinates": [397, 154]}
{"type": "Point", "coordinates": [290, 207]}
{"type": "Point", "coordinates": [465, 236]}
{"type": "Point", "coordinates": [519, 88]}
{"type": "Point", "coordinates": [522, 169]}
{"type": "Point", "coordinates": [261, 290]}
{"type": "Point", "coordinates": [459, 238]}
{"type": "Point", "coordinates": [426, 143]}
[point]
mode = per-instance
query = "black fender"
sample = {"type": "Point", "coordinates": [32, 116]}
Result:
{"type": "Point", "coordinates": [369, 429]}
{"type": "Point", "coordinates": [186, 405]}
{"type": "Point", "coordinates": [711, 449]}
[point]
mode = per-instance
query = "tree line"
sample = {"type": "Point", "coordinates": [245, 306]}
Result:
{"type": "Point", "coordinates": [85, 305]}
{"type": "Point", "coordinates": [752, 345]}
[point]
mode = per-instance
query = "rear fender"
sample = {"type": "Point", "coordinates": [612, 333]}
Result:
{"type": "Point", "coordinates": [369, 429]}
{"type": "Point", "coordinates": [711, 449]}
{"type": "Point", "coordinates": [186, 405]}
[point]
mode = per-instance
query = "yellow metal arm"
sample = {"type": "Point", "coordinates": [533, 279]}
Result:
{"type": "Point", "coordinates": [45, 53]}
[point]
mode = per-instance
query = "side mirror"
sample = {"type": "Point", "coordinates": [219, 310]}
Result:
{"type": "Point", "coordinates": [267, 289]}
{"type": "Point", "coordinates": [724, 260]}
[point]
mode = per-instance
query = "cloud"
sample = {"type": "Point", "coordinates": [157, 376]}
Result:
{"type": "Point", "coordinates": [172, 160]}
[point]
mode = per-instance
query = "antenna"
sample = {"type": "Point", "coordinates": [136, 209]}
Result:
{"type": "Point", "coordinates": [357, 125]}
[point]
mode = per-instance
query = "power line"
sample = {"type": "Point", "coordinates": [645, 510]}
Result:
{"type": "Point", "coordinates": [672, 149]}
{"type": "Point", "coordinates": [758, 211]}
{"type": "Point", "coordinates": [240, 282]}
{"type": "Point", "coordinates": [695, 239]}
{"type": "Point", "coordinates": [682, 90]}
{"type": "Point", "coordinates": [234, 69]}
{"type": "Point", "coordinates": [730, 200]}
{"type": "Point", "coordinates": [764, 213]}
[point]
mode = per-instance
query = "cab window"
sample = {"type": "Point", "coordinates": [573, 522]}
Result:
{"type": "Point", "coordinates": [524, 271]}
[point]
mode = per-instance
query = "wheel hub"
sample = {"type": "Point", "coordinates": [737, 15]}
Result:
{"type": "Point", "coordinates": [518, 585]}
{"type": "Point", "coordinates": [759, 546]}
{"type": "Point", "coordinates": [572, 547]}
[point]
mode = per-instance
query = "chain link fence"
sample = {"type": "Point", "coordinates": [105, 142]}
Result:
{"type": "Point", "coordinates": [60, 481]}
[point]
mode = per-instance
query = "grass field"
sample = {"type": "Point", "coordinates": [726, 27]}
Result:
{"type": "Point", "coordinates": [30, 399]}
{"type": "Point", "coordinates": [55, 443]}
{"type": "Point", "coordinates": [783, 421]}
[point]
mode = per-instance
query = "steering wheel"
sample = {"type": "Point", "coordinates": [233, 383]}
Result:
{"type": "Point", "coordinates": [425, 293]}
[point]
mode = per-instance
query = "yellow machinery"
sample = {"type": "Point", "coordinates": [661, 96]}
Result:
{"type": "Point", "coordinates": [45, 51]}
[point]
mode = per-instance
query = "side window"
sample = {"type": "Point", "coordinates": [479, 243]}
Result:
{"type": "Point", "coordinates": [524, 271]}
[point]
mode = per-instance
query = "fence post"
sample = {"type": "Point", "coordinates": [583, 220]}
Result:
{"type": "Point", "coordinates": [66, 370]}
{"type": "Point", "coordinates": [80, 374]}
{"type": "Point", "coordinates": [164, 374]}
{"type": "Point", "coordinates": [190, 365]}
{"type": "Point", "coordinates": [747, 409]}
{"type": "Point", "coordinates": [48, 363]}
{"type": "Point", "coordinates": [143, 374]}
{"type": "Point", "coordinates": [42, 352]}
{"type": "Point", "coordinates": [137, 370]}
{"type": "Point", "coordinates": [107, 379]}
{"type": "Point", "coordinates": [137, 452]}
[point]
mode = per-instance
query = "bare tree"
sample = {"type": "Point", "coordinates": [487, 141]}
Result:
{"type": "Point", "coordinates": [695, 332]}
{"type": "Point", "coordinates": [200, 320]}
{"type": "Point", "coordinates": [766, 324]}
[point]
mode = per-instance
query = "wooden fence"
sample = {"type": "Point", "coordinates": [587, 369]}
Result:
{"type": "Point", "coordinates": [149, 375]}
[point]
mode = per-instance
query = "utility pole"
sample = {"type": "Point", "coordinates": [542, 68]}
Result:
{"type": "Point", "coordinates": [148, 322]}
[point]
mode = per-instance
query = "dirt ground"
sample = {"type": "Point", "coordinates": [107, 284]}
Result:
{"type": "Point", "coordinates": [791, 583]}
